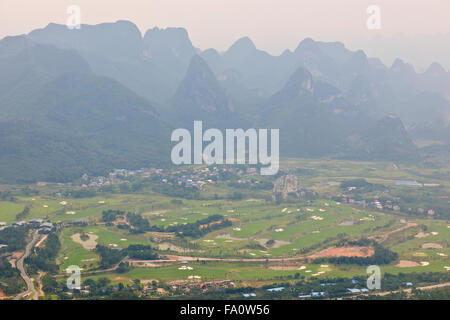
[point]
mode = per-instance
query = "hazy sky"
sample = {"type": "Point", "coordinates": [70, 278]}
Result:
{"type": "Point", "coordinates": [272, 24]}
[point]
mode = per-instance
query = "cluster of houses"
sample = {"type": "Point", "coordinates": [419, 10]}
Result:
{"type": "Point", "coordinates": [204, 286]}
{"type": "Point", "coordinates": [313, 294]}
{"type": "Point", "coordinates": [117, 176]}
{"type": "Point", "coordinates": [85, 290]}
{"type": "Point", "coordinates": [376, 203]}
{"type": "Point", "coordinates": [356, 290]}
{"type": "Point", "coordinates": [201, 176]}
{"type": "Point", "coordinates": [197, 178]}
{"type": "Point", "coordinates": [383, 205]}
{"type": "Point", "coordinates": [38, 224]}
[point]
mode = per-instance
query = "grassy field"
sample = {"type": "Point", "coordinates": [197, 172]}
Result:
{"type": "Point", "coordinates": [297, 228]}
{"type": "Point", "coordinates": [9, 210]}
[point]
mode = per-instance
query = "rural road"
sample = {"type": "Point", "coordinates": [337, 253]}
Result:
{"type": "Point", "coordinates": [23, 273]}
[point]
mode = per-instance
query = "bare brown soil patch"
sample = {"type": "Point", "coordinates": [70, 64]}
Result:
{"type": "Point", "coordinates": [121, 279]}
{"type": "Point", "coordinates": [88, 244]}
{"type": "Point", "coordinates": [355, 251]}
{"type": "Point", "coordinates": [407, 264]}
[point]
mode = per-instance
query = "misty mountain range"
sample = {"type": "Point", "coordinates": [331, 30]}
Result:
{"type": "Point", "coordinates": [104, 96]}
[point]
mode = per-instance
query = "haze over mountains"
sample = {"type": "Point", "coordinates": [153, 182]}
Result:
{"type": "Point", "coordinates": [104, 96]}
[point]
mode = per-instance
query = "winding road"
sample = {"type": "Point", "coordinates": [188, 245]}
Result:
{"type": "Point", "coordinates": [23, 273]}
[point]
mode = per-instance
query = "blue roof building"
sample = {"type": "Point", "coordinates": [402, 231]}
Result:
{"type": "Point", "coordinates": [246, 295]}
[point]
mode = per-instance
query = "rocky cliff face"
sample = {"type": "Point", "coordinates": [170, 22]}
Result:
{"type": "Point", "coordinates": [288, 187]}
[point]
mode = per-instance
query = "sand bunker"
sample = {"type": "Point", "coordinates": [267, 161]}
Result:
{"type": "Point", "coordinates": [431, 245]}
{"type": "Point", "coordinates": [229, 237]}
{"type": "Point", "coordinates": [407, 264]}
{"type": "Point", "coordinates": [346, 223]}
{"type": "Point", "coordinates": [276, 244]}
{"type": "Point", "coordinates": [185, 268]}
{"type": "Point", "coordinates": [422, 235]}
{"type": "Point", "coordinates": [88, 244]}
